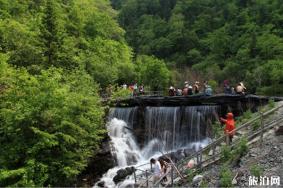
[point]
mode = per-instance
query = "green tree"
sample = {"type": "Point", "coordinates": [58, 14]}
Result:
{"type": "Point", "coordinates": [50, 126]}
{"type": "Point", "coordinates": [51, 34]}
{"type": "Point", "coordinates": [153, 72]}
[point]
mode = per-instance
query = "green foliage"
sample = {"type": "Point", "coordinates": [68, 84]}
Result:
{"type": "Point", "coordinates": [213, 84]}
{"type": "Point", "coordinates": [67, 34]}
{"type": "Point", "coordinates": [226, 153]}
{"type": "Point", "coordinates": [225, 176]}
{"type": "Point", "coordinates": [191, 173]}
{"type": "Point", "coordinates": [50, 126]}
{"type": "Point", "coordinates": [217, 129]}
{"type": "Point", "coordinates": [62, 52]}
{"type": "Point", "coordinates": [153, 72]}
{"type": "Point", "coordinates": [241, 148]}
{"type": "Point", "coordinates": [271, 103]}
{"type": "Point", "coordinates": [119, 93]}
{"type": "Point", "coordinates": [50, 33]}
{"type": "Point", "coordinates": [239, 41]}
{"type": "Point", "coordinates": [256, 170]}
{"type": "Point", "coordinates": [256, 125]}
{"type": "Point", "coordinates": [247, 114]}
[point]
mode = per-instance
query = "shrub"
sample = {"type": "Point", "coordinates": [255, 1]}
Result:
{"type": "Point", "coordinates": [271, 103]}
{"type": "Point", "coordinates": [256, 125]}
{"type": "Point", "coordinates": [226, 153]}
{"type": "Point", "coordinates": [225, 177]}
{"type": "Point", "coordinates": [241, 148]}
{"type": "Point", "coordinates": [213, 84]}
{"type": "Point", "coordinates": [120, 93]}
{"type": "Point", "coordinates": [217, 129]}
{"type": "Point", "coordinates": [256, 170]}
{"type": "Point", "coordinates": [50, 125]}
{"type": "Point", "coordinates": [247, 115]}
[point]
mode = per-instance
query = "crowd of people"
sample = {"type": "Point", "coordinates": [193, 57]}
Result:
{"type": "Point", "coordinates": [191, 89]}
{"type": "Point", "coordinates": [240, 88]}
{"type": "Point", "coordinates": [134, 88]}
{"type": "Point", "coordinates": [205, 88]}
{"type": "Point", "coordinates": [159, 167]}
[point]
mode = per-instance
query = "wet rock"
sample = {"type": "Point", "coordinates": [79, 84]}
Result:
{"type": "Point", "coordinates": [122, 174]}
{"type": "Point", "coordinates": [102, 162]}
{"type": "Point", "coordinates": [180, 154]}
{"type": "Point", "coordinates": [101, 184]}
{"type": "Point", "coordinates": [188, 152]}
{"type": "Point", "coordinates": [130, 170]}
{"type": "Point", "coordinates": [176, 156]}
{"type": "Point", "coordinates": [197, 180]}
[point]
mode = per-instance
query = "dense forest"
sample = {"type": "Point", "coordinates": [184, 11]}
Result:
{"type": "Point", "coordinates": [55, 55]}
{"type": "Point", "coordinates": [56, 59]}
{"type": "Point", "coordinates": [58, 56]}
{"type": "Point", "coordinates": [237, 40]}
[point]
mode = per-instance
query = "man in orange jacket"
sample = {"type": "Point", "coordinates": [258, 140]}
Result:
{"type": "Point", "coordinates": [229, 125]}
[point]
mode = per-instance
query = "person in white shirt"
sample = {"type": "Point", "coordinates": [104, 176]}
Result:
{"type": "Point", "coordinates": [157, 172]}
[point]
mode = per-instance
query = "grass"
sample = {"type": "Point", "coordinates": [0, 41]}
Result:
{"type": "Point", "coordinates": [229, 155]}
{"type": "Point", "coordinates": [226, 153]}
{"type": "Point", "coordinates": [225, 176]}
{"type": "Point", "coordinates": [271, 103]}
{"type": "Point", "coordinates": [256, 125]}
{"type": "Point", "coordinates": [256, 170]}
{"type": "Point", "coordinates": [192, 173]}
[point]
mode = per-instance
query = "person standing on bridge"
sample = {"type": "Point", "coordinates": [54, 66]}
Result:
{"type": "Point", "coordinates": [157, 171]}
{"type": "Point", "coordinates": [196, 87]}
{"type": "Point", "coordinates": [241, 89]}
{"type": "Point", "coordinates": [229, 126]}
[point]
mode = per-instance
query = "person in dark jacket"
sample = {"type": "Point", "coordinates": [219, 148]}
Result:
{"type": "Point", "coordinates": [172, 91]}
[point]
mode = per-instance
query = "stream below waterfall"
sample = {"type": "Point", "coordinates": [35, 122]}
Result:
{"type": "Point", "coordinates": [164, 130]}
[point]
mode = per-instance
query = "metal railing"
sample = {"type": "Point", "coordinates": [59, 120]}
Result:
{"type": "Point", "coordinates": [216, 155]}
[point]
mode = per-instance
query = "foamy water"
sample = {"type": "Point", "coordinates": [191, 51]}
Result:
{"type": "Point", "coordinates": [127, 152]}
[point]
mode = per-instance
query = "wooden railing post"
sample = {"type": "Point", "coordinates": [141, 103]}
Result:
{"type": "Point", "coordinates": [146, 175]}
{"type": "Point", "coordinates": [172, 176]}
{"type": "Point", "coordinates": [262, 128]}
{"type": "Point", "coordinates": [213, 150]}
{"type": "Point", "coordinates": [200, 159]}
{"type": "Point", "coordinates": [197, 155]}
{"type": "Point", "coordinates": [135, 176]}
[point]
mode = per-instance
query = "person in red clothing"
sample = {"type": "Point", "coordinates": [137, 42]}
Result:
{"type": "Point", "coordinates": [229, 125]}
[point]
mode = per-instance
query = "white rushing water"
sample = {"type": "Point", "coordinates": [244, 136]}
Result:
{"type": "Point", "coordinates": [164, 132]}
{"type": "Point", "coordinates": [126, 151]}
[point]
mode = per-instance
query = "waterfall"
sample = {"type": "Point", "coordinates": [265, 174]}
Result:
{"type": "Point", "coordinates": [195, 122]}
{"type": "Point", "coordinates": [177, 127]}
{"type": "Point", "coordinates": [124, 146]}
{"type": "Point", "coordinates": [161, 123]}
{"type": "Point", "coordinates": [126, 114]}
{"type": "Point", "coordinates": [165, 129]}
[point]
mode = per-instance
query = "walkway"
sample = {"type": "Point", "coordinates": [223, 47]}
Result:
{"type": "Point", "coordinates": [212, 153]}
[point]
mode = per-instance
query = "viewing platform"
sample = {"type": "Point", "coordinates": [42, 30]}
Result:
{"type": "Point", "coordinates": [192, 100]}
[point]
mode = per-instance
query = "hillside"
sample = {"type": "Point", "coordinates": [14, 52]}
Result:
{"type": "Point", "coordinates": [210, 39]}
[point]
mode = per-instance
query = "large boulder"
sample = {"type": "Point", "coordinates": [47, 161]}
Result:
{"type": "Point", "coordinates": [122, 174]}
{"type": "Point", "coordinates": [101, 162]}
